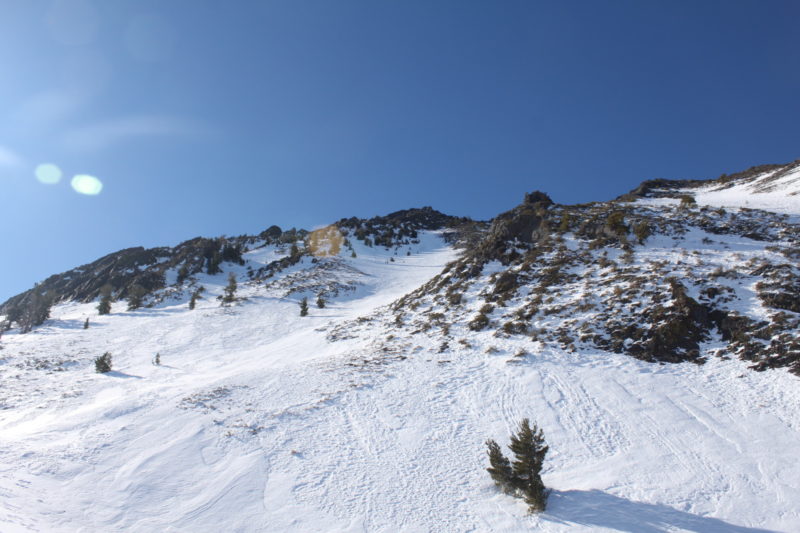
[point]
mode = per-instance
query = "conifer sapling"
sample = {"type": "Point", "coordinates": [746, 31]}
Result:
{"type": "Point", "coordinates": [104, 307]}
{"type": "Point", "coordinates": [102, 364]}
{"type": "Point", "coordinates": [521, 477]}
{"type": "Point", "coordinates": [230, 290]}
{"type": "Point", "coordinates": [500, 468]}
{"type": "Point", "coordinates": [136, 295]}
{"type": "Point", "coordinates": [529, 452]}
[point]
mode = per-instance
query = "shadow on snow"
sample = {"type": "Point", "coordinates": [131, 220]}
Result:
{"type": "Point", "coordinates": [118, 374]}
{"type": "Point", "coordinates": [595, 508]}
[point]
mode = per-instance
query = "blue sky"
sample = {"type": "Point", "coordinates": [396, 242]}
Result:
{"type": "Point", "coordinates": [209, 118]}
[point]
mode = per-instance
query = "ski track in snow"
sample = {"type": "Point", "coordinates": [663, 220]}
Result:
{"type": "Point", "coordinates": [256, 423]}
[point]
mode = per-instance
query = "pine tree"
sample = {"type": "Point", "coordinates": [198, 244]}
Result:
{"type": "Point", "coordinates": [232, 253]}
{"type": "Point", "coordinates": [183, 273]}
{"type": "Point", "coordinates": [212, 264]}
{"type": "Point", "coordinates": [500, 468]}
{"type": "Point", "coordinates": [102, 364]}
{"type": "Point", "coordinates": [230, 290]}
{"type": "Point", "coordinates": [157, 359]}
{"type": "Point", "coordinates": [36, 311]}
{"type": "Point", "coordinates": [104, 307]}
{"type": "Point", "coordinates": [194, 298]}
{"type": "Point", "coordinates": [136, 294]}
{"type": "Point", "coordinates": [522, 477]}
{"type": "Point", "coordinates": [320, 302]}
{"type": "Point", "coordinates": [304, 307]}
{"type": "Point", "coordinates": [86, 323]}
{"type": "Point", "coordinates": [529, 452]}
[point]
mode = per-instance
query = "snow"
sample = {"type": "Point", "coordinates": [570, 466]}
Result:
{"type": "Point", "coordinates": [256, 421]}
{"type": "Point", "coordinates": [781, 195]}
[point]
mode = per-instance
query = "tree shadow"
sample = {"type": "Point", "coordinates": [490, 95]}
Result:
{"type": "Point", "coordinates": [118, 374]}
{"type": "Point", "coordinates": [594, 508]}
{"type": "Point", "coordinates": [67, 323]}
{"type": "Point", "coordinates": [53, 326]}
{"type": "Point", "coordinates": [151, 311]}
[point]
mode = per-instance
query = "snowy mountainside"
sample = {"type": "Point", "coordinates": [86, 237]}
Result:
{"type": "Point", "coordinates": [773, 188]}
{"type": "Point", "coordinates": [776, 190]}
{"type": "Point", "coordinates": [167, 272]}
{"type": "Point", "coordinates": [662, 283]}
{"type": "Point", "coordinates": [628, 330]}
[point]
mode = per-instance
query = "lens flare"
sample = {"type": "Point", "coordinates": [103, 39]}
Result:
{"type": "Point", "coordinates": [48, 173]}
{"type": "Point", "coordinates": [86, 184]}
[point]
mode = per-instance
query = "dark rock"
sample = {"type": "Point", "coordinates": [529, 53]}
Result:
{"type": "Point", "coordinates": [538, 198]}
{"type": "Point", "coordinates": [272, 233]}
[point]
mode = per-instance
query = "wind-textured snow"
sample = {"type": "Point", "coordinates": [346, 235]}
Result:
{"type": "Point", "coordinates": [781, 195]}
{"type": "Point", "coordinates": [259, 420]}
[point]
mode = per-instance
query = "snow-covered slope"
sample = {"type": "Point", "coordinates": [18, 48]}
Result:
{"type": "Point", "coordinates": [260, 420]}
{"type": "Point", "coordinates": [774, 190]}
{"type": "Point", "coordinates": [371, 413]}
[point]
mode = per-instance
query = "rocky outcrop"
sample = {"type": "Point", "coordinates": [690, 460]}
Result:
{"type": "Point", "coordinates": [524, 225]}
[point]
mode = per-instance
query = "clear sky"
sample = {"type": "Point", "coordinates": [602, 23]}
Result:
{"type": "Point", "coordinates": [214, 117]}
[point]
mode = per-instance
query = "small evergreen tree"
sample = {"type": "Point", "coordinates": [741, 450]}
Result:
{"type": "Point", "coordinates": [37, 310]}
{"type": "Point", "coordinates": [304, 307]}
{"type": "Point", "coordinates": [320, 301]}
{"type": "Point", "coordinates": [136, 294]}
{"type": "Point", "coordinates": [86, 323]}
{"type": "Point", "coordinates": [521, 477]}
{"type": "Point", "coordinates": [104, 307]}
{"type": "Point", "coordinates": [183, 273]}
{"type": "Point", "coordinates": [157, 359]}
{"type": "Point", "coordinates": [500, 468]}
{"type": "Point", "coordinates": [194, 298]}
{"type": "Point", "coordinates": [230, 290]}
{"type": "Point", "coordinates": [102, 364]}
{"type": "Point", "coordinates": [212, 264]}
{"type": "Point", "coordinates": [232, 253]}
{"type": "Point", "coordinates": [529, 451]}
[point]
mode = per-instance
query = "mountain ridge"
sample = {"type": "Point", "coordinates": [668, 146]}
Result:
{"type": "Point", "coordinates": [143, 267]}
{"type": "Point", "coordinates": [629, 332]}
